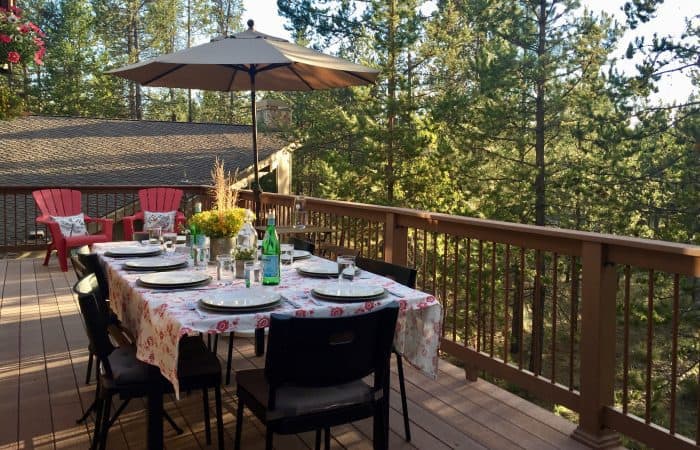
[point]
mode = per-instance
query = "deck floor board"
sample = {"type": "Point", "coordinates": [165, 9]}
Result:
{"type": "Point", "coordinates": [43, 361]}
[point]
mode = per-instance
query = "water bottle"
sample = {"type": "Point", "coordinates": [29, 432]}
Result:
{"type": "Point", "coordinates": [270, 253]}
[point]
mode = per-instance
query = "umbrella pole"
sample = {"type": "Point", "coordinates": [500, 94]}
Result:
{"type": "Point", "coordinates": [257, 191]}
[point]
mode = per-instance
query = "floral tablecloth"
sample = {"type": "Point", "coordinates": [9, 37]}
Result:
{"type": "Point", "coordinates": [159, 318]}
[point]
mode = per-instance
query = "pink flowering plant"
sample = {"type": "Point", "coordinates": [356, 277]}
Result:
{"type": "Point", "coordinates": [21, 41]}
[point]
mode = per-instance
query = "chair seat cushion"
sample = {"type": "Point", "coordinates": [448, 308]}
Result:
{"type": "Point", "coordinates": [197, 367]}
{"type": "Point", "coordinates": [299, 400]}
{"type": "Point", "coordinates": [127, 370]}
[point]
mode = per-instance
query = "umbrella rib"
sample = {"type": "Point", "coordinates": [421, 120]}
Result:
{"type": "Point", "coordinates": [233, 77]}
{"type": "Point", "coordinates": [167, 72]}
{"type": "Point", "coordinates": [300, 77]}
{"type": "Point", "coordinates": [366, 80]}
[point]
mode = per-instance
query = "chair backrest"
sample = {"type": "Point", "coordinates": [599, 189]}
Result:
{"type": "Point", "coordinates": [332, 350]}
{"type": "Point", "coordinates": [58, 202]}
{"type": "Point", "coordinates": [95, 316]}
{"type": "Point", "coordinates": [332, 251]}
{"type": "Point", "coordinates": [301, 244]}
{"type": "Point", "coordinates": [92, 265]}
{"type": "Point", "coordinates": [160, 199]}
{"type": "Point", "coordinates": [400, 274]}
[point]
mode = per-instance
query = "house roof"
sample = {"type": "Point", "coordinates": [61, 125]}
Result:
{"type": "Point", "coordinates": [72, 151]}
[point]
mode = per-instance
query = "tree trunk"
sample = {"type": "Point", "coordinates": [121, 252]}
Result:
{"type": "Point", "coordinates": [540, 203]}
{"type": "Point", "coordinates": [391, 107]}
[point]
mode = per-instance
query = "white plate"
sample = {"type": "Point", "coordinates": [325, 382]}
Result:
{"type": "Point", "coordinates": [133, 250]}
{"type": "Point", "coordinates": [349, 290]}
{"type": "Point", "coordinates": [319, 269]}
{"type": "Point", "coordinates": [252, 298]}
{"type": "Point", "coordinates": [174, 278]}
{"type": "Point", "coordinates": [300, 254]}
{"type": "Point", "coordinates": [153, 263]}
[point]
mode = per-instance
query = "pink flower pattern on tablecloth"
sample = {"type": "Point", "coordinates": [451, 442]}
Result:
{"type": "Point", "coordinates": [158, 320]}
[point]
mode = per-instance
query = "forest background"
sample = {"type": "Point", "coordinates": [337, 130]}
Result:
{"type": "Point", "coordinates": [513, 110]}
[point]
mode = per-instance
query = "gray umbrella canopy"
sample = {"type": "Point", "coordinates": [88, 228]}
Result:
{"type": "Point", "coordinates": [248, 61]}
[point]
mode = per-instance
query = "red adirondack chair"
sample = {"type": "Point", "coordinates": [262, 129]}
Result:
{"type": "Point", "coordinates": [66, 202]}
{"type": "Point", "coordinates": [155, 200]}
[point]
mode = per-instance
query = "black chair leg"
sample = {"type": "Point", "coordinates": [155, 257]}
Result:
{"type": "Point", "coordinates": [268, 439]}
{"type": "Point", "coordinates": [207, 425]}
{"type": "Point", "coordinates": [404, 403]}
{"type": "Point", "coordinates": [98, 423]}
{"type": "Point", "coordinates": [106, 408]}
{"type": "Point", "coordinates": [239, 425]}
{"type": "Point", "coordinates": [87, 412]}
{"type": "Point", "coordinates": [172, 423]}
{"type": "Point", "coordinates": [230, 357]}
{"type": "Point", "coordinates": [317, 446]}
{"type": "Point", "coordinates": [91, 358]}
{"type": "Point", "coordinates": [110, 421]}
{"type": "Point", "coordinates": [328, 438]}
{"type": "Point", "coordinates": [219, 418]}
{"type": "Point", "coordinates": [259, 341]}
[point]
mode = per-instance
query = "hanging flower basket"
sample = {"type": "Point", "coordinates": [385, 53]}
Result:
{"type": "Point", "coordinates": [21, 44]}
{"type": "Point", "coordinates": [21, 41]}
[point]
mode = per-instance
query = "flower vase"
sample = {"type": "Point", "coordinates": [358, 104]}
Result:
{"type": "Point", "coordinates": [240, 268]}
{"type": "Point", "coordinates": [221, 246]}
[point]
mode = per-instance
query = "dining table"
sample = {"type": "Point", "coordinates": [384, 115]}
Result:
{"type": "Point", "coordinates": [158, 318]}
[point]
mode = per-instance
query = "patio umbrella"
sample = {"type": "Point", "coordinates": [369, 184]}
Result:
{"type": "Point", "coordinates": [248, 61]}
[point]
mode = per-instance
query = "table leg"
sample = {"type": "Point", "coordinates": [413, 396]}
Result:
{"type": "Point", "coordinates": [155, 420]}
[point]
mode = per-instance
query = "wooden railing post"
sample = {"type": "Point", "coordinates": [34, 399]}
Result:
{"type": "Point", "coordinates": [599, 286]}
{"type": "Point", "coordinates": [395, 241]}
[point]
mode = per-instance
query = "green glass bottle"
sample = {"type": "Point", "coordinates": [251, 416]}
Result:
{"type": "Point", "coordinates": [270, 253]}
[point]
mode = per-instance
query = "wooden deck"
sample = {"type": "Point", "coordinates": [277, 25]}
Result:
{"type": "Point", "coordinates": [43, 360]}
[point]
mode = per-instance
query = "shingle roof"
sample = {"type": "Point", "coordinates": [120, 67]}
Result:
{"type": "Point", "coordinates": [70, 151]}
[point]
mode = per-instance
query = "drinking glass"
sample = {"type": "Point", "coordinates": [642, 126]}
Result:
{"type": "Point", "coordinates": [201, 252]}
{"type": "Point", "coordinates": [287, 254]}
{"type": "Point", "coordinates": [253, 273]}
{"type": "Point", "coordinates": [140, 236]}
{"type": "Point", "coordinates": [225, 269]}
{"type": "Point", "coordinates": [154, 235]}
{"type": "Point", "coordinates": [346, 268]}
{"type": "Point", "coordinates": [300, 212]}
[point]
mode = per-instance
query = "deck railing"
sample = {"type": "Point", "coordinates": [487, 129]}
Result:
{"type": "Point", "coordinates": [605, 326]}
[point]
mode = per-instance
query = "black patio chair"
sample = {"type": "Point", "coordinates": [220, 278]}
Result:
{"type": "Point", "coordinates": [78, 266]}
{"type": "Point", "coordinates": [301, 244]}
{"type": "Point", "coordinates": [124, 375]}
{"type": "Point", "coordinates": [313, 375]}
{"type": "Point", "coordinates": [407, 277]}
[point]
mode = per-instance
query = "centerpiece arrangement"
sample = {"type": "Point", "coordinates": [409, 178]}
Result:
{"type": "Point", "coordinates": [222, 223]}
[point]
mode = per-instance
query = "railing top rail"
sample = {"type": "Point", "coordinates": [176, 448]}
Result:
{"type": "Point", "coordinates": [433, 221]}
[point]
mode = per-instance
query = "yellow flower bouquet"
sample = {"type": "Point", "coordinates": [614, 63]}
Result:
{"type": "Point", "coordinates": [217, 223]}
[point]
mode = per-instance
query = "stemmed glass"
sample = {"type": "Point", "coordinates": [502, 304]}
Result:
{"type": "Point", "coordinates": [169, 240]}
